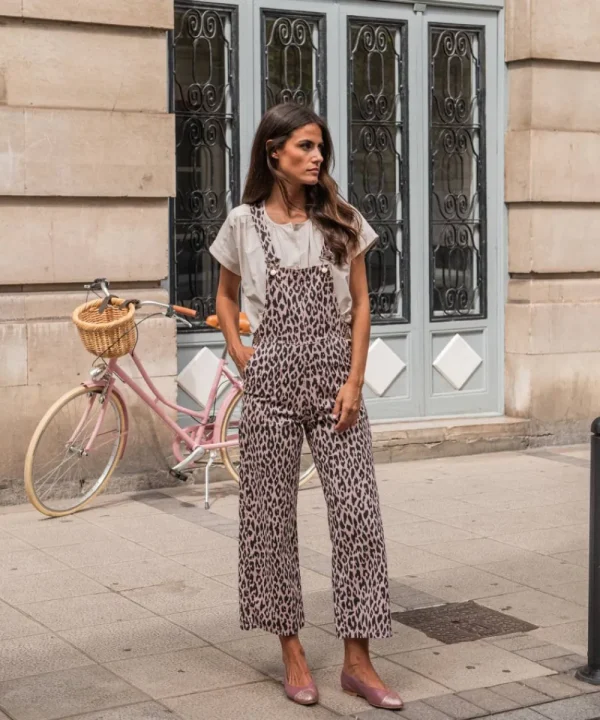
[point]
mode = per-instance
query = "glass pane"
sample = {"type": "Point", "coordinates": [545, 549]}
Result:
{"type": "Point", "coordinates": [294, 60]}
{"type": "Point", "coordinates": [206, 122]}
{"type": "Point", "coordinates": [378, 158]}
{"type": "Point", "coordinates": [457, 157]}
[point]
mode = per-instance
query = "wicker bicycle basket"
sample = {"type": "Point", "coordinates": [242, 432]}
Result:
{"type": "Point", "coordinates": [109, 334]}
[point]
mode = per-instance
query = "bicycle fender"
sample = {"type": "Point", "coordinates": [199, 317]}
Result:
{"type": "Point", "coordinates": [121, 399]}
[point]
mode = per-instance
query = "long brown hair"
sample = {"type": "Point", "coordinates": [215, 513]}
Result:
{"type": "Point", "coordinates": [337, 220]}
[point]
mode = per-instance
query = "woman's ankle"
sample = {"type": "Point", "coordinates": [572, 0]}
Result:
{"type": "Point", "coordinates": [356, 654]}
{"type": "Point", "coordinates": [291, 645]}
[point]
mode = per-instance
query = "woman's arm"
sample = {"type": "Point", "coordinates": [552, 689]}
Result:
{"type": "Point", "coordinates": [347, 405]}
{"type": "Point", "coordinates": [228, 312]}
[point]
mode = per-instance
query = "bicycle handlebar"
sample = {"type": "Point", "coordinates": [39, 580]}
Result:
{"type": "Point", "coordinates": [102, 284]}
{"type": "Point", "coordinates": [184, 311]}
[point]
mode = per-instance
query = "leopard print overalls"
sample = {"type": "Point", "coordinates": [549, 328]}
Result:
{"type": "Point", "coordinates": [301, 360]}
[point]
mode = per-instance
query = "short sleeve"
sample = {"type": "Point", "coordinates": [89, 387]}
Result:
{"type": "Point", "coordinates": [225, 248]}
{"type": "Point", "coordinates": [367, 238]}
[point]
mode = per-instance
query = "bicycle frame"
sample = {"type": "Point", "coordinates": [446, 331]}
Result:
{"type": "Point", "coordinates": [159, 403]}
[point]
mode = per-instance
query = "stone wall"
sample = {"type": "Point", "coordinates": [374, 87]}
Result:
{"type": "Point", "coordinates": [86, 168]}
{"type": "Point", "coordinates": [553, 198]}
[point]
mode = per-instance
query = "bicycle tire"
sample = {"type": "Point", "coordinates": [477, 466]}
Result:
{"type": "Point", "coordinates": [33, 493]}
{"type": "Point", "coordinates": [229, 462]}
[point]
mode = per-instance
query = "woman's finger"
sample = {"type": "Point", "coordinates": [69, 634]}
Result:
{"type": "Point", "coordinates": [337, 407]}
{"type": "Point", "coordinates": [345, 419]}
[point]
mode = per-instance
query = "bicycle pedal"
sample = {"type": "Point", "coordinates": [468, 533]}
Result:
{"type": "Point", "coordinates": [182, 477]}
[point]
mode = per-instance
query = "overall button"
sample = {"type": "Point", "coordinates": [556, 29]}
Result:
{"type": "Point", "coordinates": [273, 271]}
{"type": "Point", "coordinates": [323, 268]}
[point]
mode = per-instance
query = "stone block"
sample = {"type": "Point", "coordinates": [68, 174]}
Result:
{"type": "Point", "coordinates": [566, 30]}
{"type": "Point", "coordinates": [12, 149]}
{"type": "Point", "coordinates": [575, 289]}
{"type": "Point", "coordinates": [517, 174]}
{"type": "Point", "coordinates": [554, 239]}
{"type": "Point", "coordinates": [487, 700]}
{"type": "Point", "coordinates": [552, 687]}
{"type": "Point", "coordinates": [116, 234]}
{"type": "Point", "coordinates": [520, 100]}
{"type": "Point", "coordinates": [545, 329]}
{"type": "Point", "coordinates": [55, 351]}
{"type": "Point", "coordinates": [136, 13]}
{"type": "Point", "coordinates": [11, 8]}
{"type": "Point", "coordinates": [12, 307]}
{"type": "Point", "coordinates": [521, 694]}
{"type": "Point", "coordinates": [86, 153]}
{"type": "Point", "coordinates": [534, 88]}
{"type": "Point", "coordinates": [455, 707]}
{"type": "Point", "coordinates": [13, 355]}
{"type": "Point", "coordinates": [518, 29]}
{"type": "Point", "coordinates": [586, 707]}
{"type": "Point", "coordinates": [73, 66]}
{"type": "Point", "coordinates": [60, 305]}
{"type": "Point", "coordinates": [544, 166]}
{"type": "Point", "coordinates": [553, 30]}
{"type": "Point", "coordinates": [553, 389]}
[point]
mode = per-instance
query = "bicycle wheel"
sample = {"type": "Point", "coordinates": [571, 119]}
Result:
{"type": "Point", "coordinates": [60, 478]}
{"type": "Point", "coordinates": [231, 455]}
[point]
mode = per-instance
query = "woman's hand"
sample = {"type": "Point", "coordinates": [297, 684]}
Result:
{"type": "Point", "coordinates": [240, 356]}
{"type": "Point", "coordinates": [347, 406]}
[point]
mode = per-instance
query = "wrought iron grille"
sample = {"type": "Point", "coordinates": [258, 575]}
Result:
{"type": "Point", "coordinates": [457, 173]}
{"type": "Point", "coordinates": [294, 57]}
{"type": "Point", "coordinates": [378, 157]}
{"type": "Point", "coordinates": [204, 100]}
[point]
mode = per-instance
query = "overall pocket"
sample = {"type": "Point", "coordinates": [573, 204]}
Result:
{"type": "Point", "coordinates": [250, 365]}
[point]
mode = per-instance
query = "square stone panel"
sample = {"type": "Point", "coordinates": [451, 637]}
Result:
{"type": "Point", "coordinates": [457, 362]}
{"type": "Point", "coordinates": [257, 701]}
{"type": "Point", "coordinates": [46, 586]}
{"type": "Point", "coordinates": [461, 622]}
{"type": "Point", "coordinates": [411, 685]}
{"type": "Point", "coordinates": [216, 625]}
{"type": "Point", "coordinates": [263, 653]}
{"type": "Point", "coordinates": [83, 611]}
{"type": "Point", "coordinates": [183, 672]}
{"type": "Point", "coordinates": [383, 367]}
{"type": "Point", "coordinates": [143, 711]}
{"type": "Point", "coordinates": [37, 654]}
{"type": "Point", "coordinates": [124, 640]}
{"type": "Point", "coordinates": [66, 693]}
{"type": "Point", "coordinates": [14, 624]}
{"type": "Point", "coordinates": [469, 665]}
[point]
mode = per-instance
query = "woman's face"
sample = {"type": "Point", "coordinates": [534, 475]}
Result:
{"type": "Point", "coordinates": [301, 156]}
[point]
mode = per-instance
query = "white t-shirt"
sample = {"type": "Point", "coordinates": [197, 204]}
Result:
{"type": "Point", "coordinates": [237, 247]}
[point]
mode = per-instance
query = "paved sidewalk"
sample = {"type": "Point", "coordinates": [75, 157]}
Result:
{"type": "Point", "coordinates": [128, 611]}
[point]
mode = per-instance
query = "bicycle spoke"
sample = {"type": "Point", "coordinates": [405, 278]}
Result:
{"type": "Point", "coordinates": [64, 471]}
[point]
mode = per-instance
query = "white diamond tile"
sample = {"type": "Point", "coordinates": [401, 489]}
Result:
{"type": "Point", "coordinates": [457, 362]}
{"type": "Point", "coordinates": [198, 375]}
{"type": "Point", "coordinates": [383, 367]}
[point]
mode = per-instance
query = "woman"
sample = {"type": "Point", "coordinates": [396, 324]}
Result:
{"type": "Point", "coordinates": [298, 251]}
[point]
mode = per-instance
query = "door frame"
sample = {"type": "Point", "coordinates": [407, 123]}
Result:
{"type": "Point", "coordinates": [418, 328]}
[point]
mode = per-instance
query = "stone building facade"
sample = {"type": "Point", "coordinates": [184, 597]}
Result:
{"type": "Point", "coordinates": [90, 156]}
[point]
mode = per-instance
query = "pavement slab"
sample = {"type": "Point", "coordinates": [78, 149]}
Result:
{"type": "Point", "coordinates": [128, 611]}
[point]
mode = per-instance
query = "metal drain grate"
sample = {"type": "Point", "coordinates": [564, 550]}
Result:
{"type": "Point", "coordinates": [461, 622]}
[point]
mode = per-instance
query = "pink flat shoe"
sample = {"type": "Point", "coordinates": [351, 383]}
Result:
{"type": "Point", "coordinates": [307, 695]}
{"type": "Point", "coordinates": [385, 699]}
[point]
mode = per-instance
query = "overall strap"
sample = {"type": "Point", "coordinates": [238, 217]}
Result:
{"type": "Point", "coordinates": [257, 211]}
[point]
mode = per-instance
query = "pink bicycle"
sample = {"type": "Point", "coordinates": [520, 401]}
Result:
{"type": "Point", "coordinates": [82, 437]}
